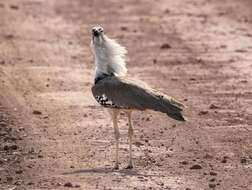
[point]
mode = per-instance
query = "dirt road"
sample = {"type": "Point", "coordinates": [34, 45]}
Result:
{"type": "Point", "coordinates": [198, 51]}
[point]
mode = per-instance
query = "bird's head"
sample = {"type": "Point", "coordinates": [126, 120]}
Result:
{"type": "Point", "coordinates": [109, 54]}
{"type": "Point", "coordinates": [97, 35]}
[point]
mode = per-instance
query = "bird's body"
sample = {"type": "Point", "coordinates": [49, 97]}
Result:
{"type": "Point", "coordinates": [113, 90]}
{"type": "Point", "coordinates": [124, 93]}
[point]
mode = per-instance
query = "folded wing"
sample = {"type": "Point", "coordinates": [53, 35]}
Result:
{"type": "Point", "coordinates": [123, 93]}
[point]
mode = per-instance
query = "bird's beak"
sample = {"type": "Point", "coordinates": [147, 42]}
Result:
{"type": "Point", "coordinates": [95, 33]}
{"type": "Point", "coordinates": [97, 38]}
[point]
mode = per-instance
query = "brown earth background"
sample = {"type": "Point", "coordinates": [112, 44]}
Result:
{"type": "Point", "coordinates": [53, 135]}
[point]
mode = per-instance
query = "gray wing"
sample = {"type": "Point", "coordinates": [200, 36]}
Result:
{"type": "Point", "coordinates": [118, 92]}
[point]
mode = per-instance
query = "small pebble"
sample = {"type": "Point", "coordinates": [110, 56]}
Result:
{"type": "Point", "coordinates": [37, 112]}
{"type": "Point", "coordinates": [124, 28]}
{"type": "Point", "coordinates": [213, 173]}
{"type": "Point", "coordinates": [213, 106]}
{"type": "Point", "coordinates": [19, 171]}
{"type": "Point", "coordinates": [212, 185]}
{"type": "Point", "coordinates": [9, 36]}
{"type": "Point", "coordinates": [184, 162]}
{"type": "Point", "coordinates": [15, 7]}
{"type": "Point", "coordinates": [212, 180]}
{"type": "Point", "coordinates": [224, 160]}
{"type": "Point", "coordinates": [243, 160]}
{"type": "Point", "coordinates": [196, 167]}
{"type": "Point", "coordinates": [29, 183]}
{"type": "Point", "coordinates": [68, 184]}
{"type": "Point", "coordinates": [165, 46]}
{"type": "Point", "coordinates": [10, 147]}
{"type": "Point", "coordinates": [203, 112]}
{"type": "Point", "coordinates": [9, 178]}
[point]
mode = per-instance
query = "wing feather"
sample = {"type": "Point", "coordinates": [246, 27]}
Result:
{"type": "Point", "coordinates": [131, 94]}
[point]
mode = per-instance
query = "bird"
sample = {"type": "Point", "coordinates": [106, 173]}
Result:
{"type": "Point", "coordinates": [115, 91]}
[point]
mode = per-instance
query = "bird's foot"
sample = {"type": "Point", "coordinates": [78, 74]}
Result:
{"type": "Point", "coordinates": [116, 167]}
{"type": "Point", "coordinates": [130, 166]}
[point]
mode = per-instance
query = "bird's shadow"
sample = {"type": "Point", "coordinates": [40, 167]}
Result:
{"type": "Point", "coordinates": [126, 172]}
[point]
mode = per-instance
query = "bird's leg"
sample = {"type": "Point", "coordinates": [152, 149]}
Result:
{"type": "Point", "coordinates": [130, 133]}
{"type": "Point", "coordinates": [117, 135]}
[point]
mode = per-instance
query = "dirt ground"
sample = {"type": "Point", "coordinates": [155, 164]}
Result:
{"type": "Point", "coordinates": [53, 135]}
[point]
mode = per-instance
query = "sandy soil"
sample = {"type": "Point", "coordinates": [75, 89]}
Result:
{"type": "Point", "coordinates": [54, 136]}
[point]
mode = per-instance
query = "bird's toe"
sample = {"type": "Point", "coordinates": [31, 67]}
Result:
{"type": "Point", "coordinates": [130, 166]}
{"type": "Point", "coordinates": [116, 167]}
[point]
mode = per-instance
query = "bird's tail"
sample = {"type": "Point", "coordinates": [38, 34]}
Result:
{"type": "Point", "coordinates": [170, 106]}
{"type": "Point", "coordinates": [177, 116]}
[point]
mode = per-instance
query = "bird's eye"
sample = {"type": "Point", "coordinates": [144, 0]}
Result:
{"type": "Point", "coordinates": [100, 30]}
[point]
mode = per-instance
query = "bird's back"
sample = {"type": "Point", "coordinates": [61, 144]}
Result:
{"type": "Point", "coordinates": [124, 93]}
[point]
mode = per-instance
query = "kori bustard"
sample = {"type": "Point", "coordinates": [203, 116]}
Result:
{"type": "Point", "coordinates": [113, 90]}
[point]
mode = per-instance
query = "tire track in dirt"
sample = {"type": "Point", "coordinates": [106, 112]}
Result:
{"type": "Point", "coordinates": [216, 51]}
{"type": "Point", "coordinates": [49, 65]}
